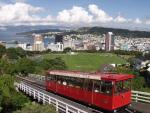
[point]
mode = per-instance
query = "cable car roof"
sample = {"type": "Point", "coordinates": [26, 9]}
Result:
{"type": "Point", "coordinates": [94, 76]}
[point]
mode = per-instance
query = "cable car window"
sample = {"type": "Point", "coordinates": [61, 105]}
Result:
{"type": "Point", "coordinates": [127, 85]}
{"type": "Point", "coordinates": [122, 86]}
{"type": "Point", "coordinates": [106, 87]}
{"type": "Point", "coordinates": [97, 86]}
{"type": "Point", "coordinates": [103, 87]}
{"type": "Point", "coordinates": [76, 82]}
{"type": "Point", "coordinates": [88, 84]}
{"type": "Point", "coordinates": [51, 78]}
{"type": "Point", "coordinates": [62, 80]}
{"type": "Point", "coordinates": [118, 87]}
{"type": "Point", "coordinates": [59, 79]}
{"type": "Point", "coordinates": [70, 81]}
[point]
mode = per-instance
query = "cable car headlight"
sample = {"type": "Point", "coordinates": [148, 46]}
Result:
{"type": "Point", "coordinates": [112, 83]}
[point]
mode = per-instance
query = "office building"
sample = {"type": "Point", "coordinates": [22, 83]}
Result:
{"type": "Point", "coordinates": [58, 38]}
{"type": "Point", "coordinates": [109, 41]}
{"type": "Point", "coordinates": [38, 43]}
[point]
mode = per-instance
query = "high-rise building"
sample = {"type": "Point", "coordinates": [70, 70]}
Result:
{"type": "Point", "coordinates": [38, 43]}
{"type": "Point", "coordinates": [109, 41]}
{"type": "Point", "coordinates": [58, 38]}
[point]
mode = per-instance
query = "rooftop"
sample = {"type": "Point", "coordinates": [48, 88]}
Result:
{"type": "Point", "coordinates": [94, 76]}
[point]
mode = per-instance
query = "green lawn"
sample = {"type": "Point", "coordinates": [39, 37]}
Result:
{"type": "Point", "coordinates": [87, 61]}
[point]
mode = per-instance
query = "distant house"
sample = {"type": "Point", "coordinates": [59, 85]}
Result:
{"type": "Point", "coordinates": [56, 47]}
{"type": "Point", "coordinates": [139, 64]}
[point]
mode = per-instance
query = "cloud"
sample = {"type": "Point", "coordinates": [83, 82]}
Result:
{"type": "Point", "coordinates": [95, 16]}
{"type": "Point", "coordinates": [79, 16]}
{"type": "Point", "coordinates": [76, 15]}
{"type": "Point", "coordinates": [137, 21]}
{"type": "Point", "coordinates": [120, 19]}
{"type": "Point", "coordinates": [20, 13]}
{"type": "Point", "coordinates": [15, 1]}
{"type": "Point", "coordinates": [98, 14]}
{"type": "Point", "coordinates": [147, 22]}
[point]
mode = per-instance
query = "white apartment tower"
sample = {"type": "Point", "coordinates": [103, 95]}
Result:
{"type": "Point", "coordinates": [109, 41]}
{"type": "Point", "coordinates": [38, 43]}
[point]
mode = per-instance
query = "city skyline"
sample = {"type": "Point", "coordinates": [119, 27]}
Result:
{"type": "Point", "coordinates": [116, 13]}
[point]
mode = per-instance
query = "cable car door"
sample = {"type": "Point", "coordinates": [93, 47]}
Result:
{"type": "Point", "coordinates": [88, 86]}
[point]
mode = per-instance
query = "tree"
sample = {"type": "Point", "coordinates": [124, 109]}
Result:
{"type": "Point", "coordinates": [20, 52]}
{"type": "Point", "coordinates": [36, 108]}
{"type": "Point", "coordinates": [25, 66]}
{"type": "Point", "coordinates": [48, 50]}
{"type": "Point", "coordinates": [68, 49]}
{"type": "Point", "coordinates": [7, 67]}
{"type": "Point", "coordinates": [56, 63]}
{"type": "Point", "coordinates": [46, 64]}
{"type": "Point", "coordinates": [123, 69]}
{"type": "Point", "coordinates": [2, 50]}
{"type": "Point", "coordinates": [124, 52]}
{"type": "Point", "coordinates": [138, 83]}
{"type": "Point", "coordinates": [147, 56]}
{"type": "Point", "coordinates": [12, 53]}
{"type": "Point", "coordinates": [10, 100]}
{"type": "Point", "coordinates": [6, 83]}
{"type": "Point", "coordinates": [4, 66]}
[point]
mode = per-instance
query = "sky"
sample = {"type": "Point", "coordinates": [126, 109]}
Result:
{"type": "Point", "coordinates": [132, 14]}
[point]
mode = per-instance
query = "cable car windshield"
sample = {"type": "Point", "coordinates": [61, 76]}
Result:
{"type": "Point", "coordinates": [122, 86]}
{"type": "Point", "coordinates": [103, 87]}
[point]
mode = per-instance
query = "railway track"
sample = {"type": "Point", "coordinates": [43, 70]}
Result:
{"type": "Point", "coordinates": [42, 86]}
{"type": "Point", "coordinates": [27, 80]}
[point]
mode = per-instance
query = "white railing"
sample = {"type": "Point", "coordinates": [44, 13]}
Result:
{"type": "Point", "coordinates": [139, 96]}
{"type": "Point", "coordinates": [45, 98]}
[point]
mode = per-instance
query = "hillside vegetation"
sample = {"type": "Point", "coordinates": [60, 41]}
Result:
{"type": "Point", "coordinates": [94, 30]}
{"type": "Point", "coordinates": [116, 31]}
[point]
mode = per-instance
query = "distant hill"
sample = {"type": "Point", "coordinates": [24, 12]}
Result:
{"type": "Point", "coordinates": [116, 31]}
{"type": "Point", "coordinates": [8, 33]}
{"type": "Point", "coordinates": [28, 30]}
{"type": "Point", "coordinates": [40, 31]}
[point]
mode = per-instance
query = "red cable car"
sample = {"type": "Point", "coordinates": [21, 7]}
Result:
{"type": "Point", "coordinates": [106, 91]}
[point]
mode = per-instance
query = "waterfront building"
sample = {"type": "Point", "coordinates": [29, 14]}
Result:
{"type": "Point", "coordinates": [38, 43]}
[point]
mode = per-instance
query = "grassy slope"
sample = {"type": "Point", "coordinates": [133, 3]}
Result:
{"type": "Point", "coordinates": [87, 61]}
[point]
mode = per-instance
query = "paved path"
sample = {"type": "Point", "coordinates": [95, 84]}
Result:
{"type": "Point", "coordinates": [141, 107]}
